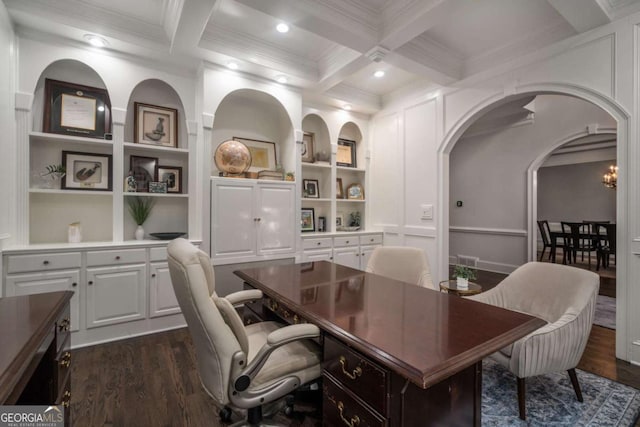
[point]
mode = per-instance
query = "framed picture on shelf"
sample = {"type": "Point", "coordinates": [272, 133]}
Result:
{"type": "Point", "coordinates": [339, 221]}
{"type": "Point", "coordinates": [172, 175]}
{"type": "Point", "coordinates": [155, 125]}
{"type": "Point", "coordinates": [144, 171]}
{"type": "Point", "coordinates": [157, 187]}
{"type": "Point", "coordinates": [307, 222]}
{"type": "Point", "coordinates": [346, 155]}
{"type": "Point", "coordinates": [263, 154]}
{"type": "Point", "coordinates": [86, 171]}
{"type": "Point", "coordinates": [307, 147]}
{"type": "Point", "coordinates": [77, 110]}
{"type": "Point", "coordinates": [355, 192]}
{"type": "Point", "coordinates": [339, 190]}
{"type": "Point", "coordinates": [310, 187]}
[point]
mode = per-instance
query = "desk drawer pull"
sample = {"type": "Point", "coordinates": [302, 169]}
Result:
{"type": "Point", "coordinates": [65, 361]}
{"type": "Point", "coordinates": [356, 372]}
{"type": "Point", "coordinates": [66, 398]}
{"type": "Point", "coordinates": [355, 420]}
{"type": "Point", "coordinates": [64, 325]}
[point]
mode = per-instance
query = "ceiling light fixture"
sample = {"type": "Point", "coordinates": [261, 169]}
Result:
{"type": "Point", "coordinates": [346, 107]}
{"type": "Point", "coordinates": [378, 74]}
{"type": "Point", "coordinates": [95, 41]}
{"type": "Point", "coordinates": [232, 65]}
{"type": "Point", "coordinates": [282, 28]}
{"type": "Point", "coordinates": [610, 179]}
{"type": "Point", "coordinates": [282, 79]}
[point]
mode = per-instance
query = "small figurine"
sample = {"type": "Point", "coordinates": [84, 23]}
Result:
{"type": "Point", "coordinates": [130, 185]}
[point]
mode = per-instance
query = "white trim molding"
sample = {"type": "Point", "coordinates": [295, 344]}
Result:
{"type": "Point", "coordinates": [486, 230]}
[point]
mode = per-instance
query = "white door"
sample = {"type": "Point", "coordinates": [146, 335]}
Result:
{"type": "Point", "coordinates": [37, 283]}
{"type": "Point", "coordinates": [276, 218]}
{"type": "Point", "coordinates": [115, 294]}
{"type": "Point", "coordinates": [317, 255]}
{"type": "Point", "coordinates": [162, 299]}
{"type": "Point", "coordinates": [233, 223]}
{"type": "Point", "coordinates": [349, 256]}
{"type": "Point", "coordinates": [365, 254]}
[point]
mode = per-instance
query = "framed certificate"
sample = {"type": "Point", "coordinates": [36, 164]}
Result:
{"type": "Point", "coordinates": [346, 155]}
{"type": "Point", "coordinates": [77, 110]}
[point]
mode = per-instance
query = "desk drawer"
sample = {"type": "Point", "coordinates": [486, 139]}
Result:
{"type": "Point", "coordinates": [118, 256]}
{"type": "Point", "coordinates": [283, 312]}
{"type": "Point", "coordinates": [372, 239]}
{"type": "Point", "coordinates": [316, 243]}
{"type": "Point", "coordinates": [42, 262]}
{"type": "Point", "coordinates": [345, 241]}
{"type": "Point", "coordinates": [363, 378]}
{"type": "Point", "coordinates": [340, 408]}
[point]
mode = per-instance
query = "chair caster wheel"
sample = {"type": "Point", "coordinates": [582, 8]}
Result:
{"type": "Point", "coordinates": [288, 410]}
{"type": "Point", "coordinates": [288, 406]}
{"type": "Point", "coordinates": [225, 414]}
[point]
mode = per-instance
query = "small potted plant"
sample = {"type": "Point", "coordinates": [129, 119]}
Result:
{"type": "Point", "coordinates": [463, 274]}
{"type": "Point", "coordinates": [140, 209]}
{"type": "Point", "coordinates": [55, 173]}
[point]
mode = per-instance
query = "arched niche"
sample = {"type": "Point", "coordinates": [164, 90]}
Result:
{"type": "Point", "coordinates": [251, 114]}
{"type": "Point", "coordinates": [314, 124]}
{"type": "Point", "coordinates": [158, 93]}
{"type": "Point", "coordinates": [352, 132]}
{"type": "Point", "coordinates": [66, 70]}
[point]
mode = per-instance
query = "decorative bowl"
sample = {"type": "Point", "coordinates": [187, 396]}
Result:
{"type": "Point", "coordinates": [168, 235]}
{"type": "Point", "coordinates": [352, 228]}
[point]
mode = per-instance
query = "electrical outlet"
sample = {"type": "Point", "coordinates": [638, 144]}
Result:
{"type": "Point", "coordinates": [459, 203]}
{"type": "Point", "coordinates": [427, 211]}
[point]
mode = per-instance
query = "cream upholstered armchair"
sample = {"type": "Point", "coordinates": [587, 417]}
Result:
{"type": "Point", "coordinates": [401, 263]}
{"type": "Point", "coordinates": [563, 296]}
{"type": "Point", "coordinates": [242, 367]}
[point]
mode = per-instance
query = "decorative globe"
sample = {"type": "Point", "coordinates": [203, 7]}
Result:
{"type": "Point", "coordinates": [232, 157]}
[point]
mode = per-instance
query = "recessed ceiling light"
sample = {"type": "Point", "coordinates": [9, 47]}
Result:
{"type": "Point", "coordinates": [232, 65]}
{"type": "Point", "coordinates": [282, 79]}
{"type": "Point", "coordinates": [379, 74]}
{"type": "Point", "coordinates": [346, 107]}
{"type": "Point", "coordinates": [95, 41]}
{"type": "Point", "coordinates": [282, 28]}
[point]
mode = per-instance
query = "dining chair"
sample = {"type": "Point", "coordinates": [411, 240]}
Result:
{"type": "Point", "coordinates": [606, 238]}
{"type": "Point", "coordinates": [577, 238]}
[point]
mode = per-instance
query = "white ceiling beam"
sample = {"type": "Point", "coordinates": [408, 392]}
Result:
{"type": "Point", "coordinates": [401, 25]}
{"type": "Point", "coordinates": [342, 72]}
{"type": "Point", "coordinates": [194, 16]}
{"type": "Point", "coordinates": [583, 15]}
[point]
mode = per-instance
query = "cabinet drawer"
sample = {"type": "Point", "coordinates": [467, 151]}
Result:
{"type": "Point", "coordinates": [345, 241]}
{"type": "Point", "coordinates": [158, 254]}
{"type": "Point", "coordinates": [316, 243]}
{"type": "Point", "coordinates": [41, 262]}
{"type": "Point", "coordinates": [340, 408]}
{"type": "Point", "coordinates": [119, 256]}
{"type": "Point", "coordinates": [372, 239]}
{"type": "Point", "coordinates": [355, 372]}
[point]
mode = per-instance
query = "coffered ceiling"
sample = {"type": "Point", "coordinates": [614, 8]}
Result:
{"type": "Point", "coordinates": [333, 47]}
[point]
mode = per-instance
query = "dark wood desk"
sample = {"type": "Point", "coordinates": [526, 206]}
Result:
{"type": "Point", "coordinates": [394, 353]}
{"type": "Point", "coordinates": [34, 350]}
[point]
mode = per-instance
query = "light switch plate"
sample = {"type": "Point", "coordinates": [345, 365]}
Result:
{"type": "Point", "coordinates": [426, 211]}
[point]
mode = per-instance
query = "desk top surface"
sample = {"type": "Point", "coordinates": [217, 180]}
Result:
{"type": "Point", "coordinates": [26, 321]}
{"type": "Point", "coordinates": [419, 333]}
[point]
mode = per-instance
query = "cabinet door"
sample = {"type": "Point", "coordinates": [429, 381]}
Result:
{"type": "Point", "coordinates": [365, 254]}
{"type": "Point", "coordinates": [317, 255]}
{"type": "Point", "coordinates": [276, 218]}
{"type": "Point", "coordinates": [349, 256]}
{"type": "Point", "coordinates": [115, 294]}
{"type": "Point", "coordinates": [37, 283]}
{"type": "Point", "coordinates": [162, 299]}
{"type": "Point", "coordinates": [233, 223]}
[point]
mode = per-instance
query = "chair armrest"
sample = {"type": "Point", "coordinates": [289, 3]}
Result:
{"type": "Point", "coordinates": [242, 297]}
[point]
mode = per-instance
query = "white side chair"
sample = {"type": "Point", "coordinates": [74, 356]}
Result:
{"type": "Point", "coordinates": [401, 263]}
{"type": "Point", "coordinates": [564, 297]}
{"type": "Point", "coordinates": [241, 367]}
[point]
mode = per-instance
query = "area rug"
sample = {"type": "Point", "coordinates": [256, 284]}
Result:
{"type": "Point", "coordinates": [551, 400]}
{"type": "Point", "coordinates": [605, 312]}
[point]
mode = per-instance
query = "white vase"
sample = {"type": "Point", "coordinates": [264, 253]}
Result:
{"type": "Point", "coordinates": [139, 233]}
{"type": "Point", "coordinates": [462, 282]}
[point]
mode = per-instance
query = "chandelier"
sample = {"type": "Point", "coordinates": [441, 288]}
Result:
{"type": "Point", "coordinates": [610, 179]}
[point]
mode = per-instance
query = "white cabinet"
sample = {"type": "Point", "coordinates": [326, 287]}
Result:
{"type": "Point", "coordinates": [317, 255]}
{"type": "Point", "coordinates": [347, 256]}
{"type": "Point", "coordinates": [116, 294]}
{"type": "Point", "coordinates": [162, 299]}
{"type": "Point", "coordinates": [251, 219]}
{"type": "Point", "coordinates": [352, 251]}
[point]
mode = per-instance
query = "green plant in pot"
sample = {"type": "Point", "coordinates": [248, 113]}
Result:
{"type": "Point", "coordinates": [54, 174]}
{"type": "Point", "coordinates": [140, 209]}
{"type": "Point", "coordinates": [463, 274]}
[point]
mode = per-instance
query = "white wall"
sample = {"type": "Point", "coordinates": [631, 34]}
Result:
{"type": "Point", "coordinates": [488, 174]}
{"type": "Point", "coordinates": [581, 184]}
{"type": "Point", "coordinates": [7, 121]}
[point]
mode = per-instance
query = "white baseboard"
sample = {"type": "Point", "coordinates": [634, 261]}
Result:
{"type": "Point", "coordinates": [495, 267]}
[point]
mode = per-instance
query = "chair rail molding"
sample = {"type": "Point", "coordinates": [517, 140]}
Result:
{"type": "Point", "coordinates": [487, 230]}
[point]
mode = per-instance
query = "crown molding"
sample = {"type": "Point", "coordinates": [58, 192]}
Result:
{"type": "Point", "coordinates": [333, 60]}
{"type": "Point", "coordinates": [427, 52]}
{"type": "Point", "coordinates": [208, 65]}
{"type": "Point", "coordinates": [171, 17]}
{"type": "Point", "coordinates": [354, 95]}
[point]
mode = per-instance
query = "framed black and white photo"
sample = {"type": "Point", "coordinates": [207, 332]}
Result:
{"type": "Point", "coordinates": [307, 148]}
{"type": "Point", "coordinates": [155, 125]}
{"type": "Point", "coordinates": [144, 171]}
{"type": "Point", "coordinates": [86, 171]}
{"type": "Point", "coordinates": [310, 187]}
{"type": "Point", "coordinates": [74, 109]}
{"type": "Point", "coordinates": [346, 155]}
{"type": "Point", "coordinates": [172, 175]}
{"type": "Point", "coordinates": [307, 220]}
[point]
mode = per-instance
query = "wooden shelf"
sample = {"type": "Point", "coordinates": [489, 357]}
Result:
{"type": "Point", "coordinates": [69, 192]}
{"type": "Point", "coordinates": [154, 148]}
{"type": "Point", "coordinates": [351, 200]}
{"type": "Point", "coordinates": [348, 169]}
{"type": "Point", "coordinates": [48, 137]}
{"type": "Point", "coordinates": [143, 194]}
{"type": "Point", "coordinates": [311, 199]}
{"type": "Point", "coordinates": [316, 165]}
